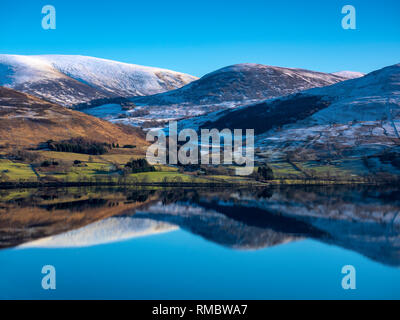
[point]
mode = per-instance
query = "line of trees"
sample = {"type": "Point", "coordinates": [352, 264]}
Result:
{"type": "Point", "coordinates": [139, 165]}
{"type": "Point", "coordinates": [80, 145]}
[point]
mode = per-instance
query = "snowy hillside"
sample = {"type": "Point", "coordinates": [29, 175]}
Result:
{"type": "Point", "coordinates": [243, 82]}
{"type": "Point", "coordinates": [227, 88]}
{"type": "Point", "coordinates": [355, 118]}
{"type": "Point", "coordinates": [349, 74]}
{"type": "Point", "coordinates": [363, 118]}
{"type": "Point", "coordinates": [70, 80]}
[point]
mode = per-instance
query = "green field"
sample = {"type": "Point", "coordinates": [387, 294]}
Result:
{"type": "Point", "coordinates": [74, 167]}
{"type": "Point", "coordinates": [16, 171]}
{"type": "Point", "coordinates": [285, 170]}
{"type": "Point", "coordinates": [102, 168]}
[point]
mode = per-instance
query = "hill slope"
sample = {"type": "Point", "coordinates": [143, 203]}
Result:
{"type": "Point", "coordinates": [26, 121]}
{"type": "Point", "coordinates": [358, 117]}
{"type": "Point", "coordinates": [229, 87]}
{"type": "Point", "coordinates": [71, 80]}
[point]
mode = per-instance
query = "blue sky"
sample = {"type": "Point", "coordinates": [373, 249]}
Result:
{"type": "Point", "coordinates": [198, 37]}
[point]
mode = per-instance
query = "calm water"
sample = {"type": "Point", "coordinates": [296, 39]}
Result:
{"type": "Point", "coordinates": [288, 243]}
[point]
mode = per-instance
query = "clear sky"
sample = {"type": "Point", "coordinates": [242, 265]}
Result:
{"type": "Point", "coordinates": [198, 37]}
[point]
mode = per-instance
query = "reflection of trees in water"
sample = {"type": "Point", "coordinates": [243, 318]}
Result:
{"type": "Point", "coordinates": [80, 205]}
{"type": "Point", "coordinates": [172, 195]}
{"type": "Point", "coordinates": [45, 212]}
{"type": "Point", "coordinates": [139, 195]}
{"type": "Point", "coordinates": [74, 198]}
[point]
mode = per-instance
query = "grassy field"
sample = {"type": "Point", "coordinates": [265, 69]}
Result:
{"type": "Point", "coordinates": [75, 167]}
{"type": "Point", "coordinates": [120, 156]}
{"type": "Point", "coordinates": [285, 170]}
{"type": "Point", "coordinates": [166, 177]}
{"type": "Point", "coordinates": [315, 169]}
{"type": "Point", "coordinates": [16, 171]}
{"type": "Point", "coordinates": [341, 170]}
{"type": "Point", "coordinates": [81, 172]}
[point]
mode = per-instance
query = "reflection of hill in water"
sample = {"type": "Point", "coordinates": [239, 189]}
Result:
{"type": "Point", "coordinates": [104, 231]}
{"type": "Point", "coordinates": [28, 215]}
{"type": "Point", "coordinates": [365, 220]}
{"type": "Point", "coordinates": [217, 227]}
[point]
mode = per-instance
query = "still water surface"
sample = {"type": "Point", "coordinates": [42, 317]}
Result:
{"type": "Point", "coordinates": [287, 243]}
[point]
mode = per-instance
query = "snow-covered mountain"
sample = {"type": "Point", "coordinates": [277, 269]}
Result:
{"type": "Point", "coordinates": [70, 80]}
{"type": "Point", "coordinates": [358, 117]}
{"type": "Point", "coordinates": [227, 88]}
{"type": "Point", "coordinates": [349, 74]}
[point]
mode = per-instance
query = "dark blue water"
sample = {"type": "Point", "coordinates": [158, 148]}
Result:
{"type": "Point", "coordinates": [178, 265]}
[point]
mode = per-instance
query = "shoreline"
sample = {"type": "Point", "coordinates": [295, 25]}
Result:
{"type": "Point", "coordinates": [33, 185]}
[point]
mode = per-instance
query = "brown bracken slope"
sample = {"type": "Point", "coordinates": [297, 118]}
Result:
{"type": "Point", "coordinates": [26, 121]}
{"type": "Point", "coordinates": [44, 219]}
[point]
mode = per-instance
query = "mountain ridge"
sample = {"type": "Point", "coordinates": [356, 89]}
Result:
{"type": "Point", "coordinates": [226, 88]}
{"type": "Point", "coordinates": [70, 80]}
{"type": "Point", "coordinates": [358, 116]}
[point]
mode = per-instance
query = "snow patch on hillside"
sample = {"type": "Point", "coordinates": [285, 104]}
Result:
{"type": "Point", "coordinates": [349, 74]}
